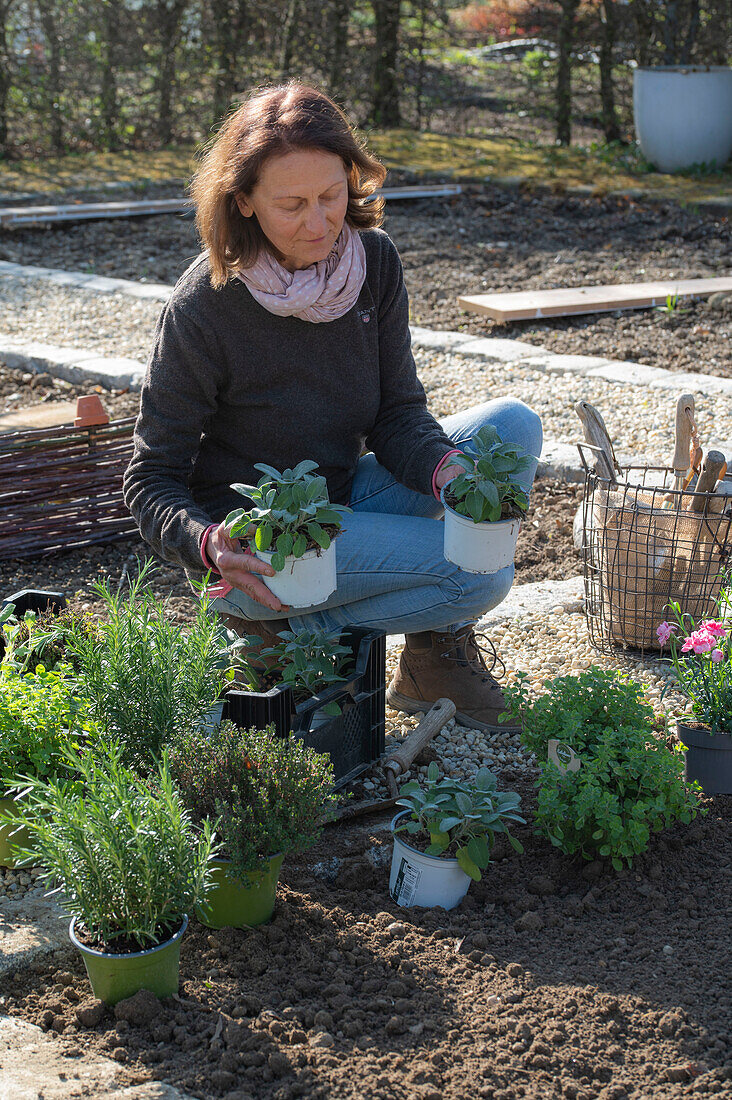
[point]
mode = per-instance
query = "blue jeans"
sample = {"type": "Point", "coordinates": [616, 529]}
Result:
{"type": "Point", "coordinates": [392, 574]}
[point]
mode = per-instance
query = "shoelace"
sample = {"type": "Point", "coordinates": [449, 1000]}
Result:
{"type": "Point", "coordinates": [458, 651]}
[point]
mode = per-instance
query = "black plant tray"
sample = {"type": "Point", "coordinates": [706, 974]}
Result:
{"type": "Point", "coordinates": [32, 599]}
{"type": "Point", "coordinates": [353, 739]}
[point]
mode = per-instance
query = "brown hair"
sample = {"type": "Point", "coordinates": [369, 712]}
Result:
{"type": "Point", "coordinates": [274, 121]}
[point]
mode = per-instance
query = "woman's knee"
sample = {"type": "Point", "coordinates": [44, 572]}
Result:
{"type": "Point", "coordinates": [484, 591]}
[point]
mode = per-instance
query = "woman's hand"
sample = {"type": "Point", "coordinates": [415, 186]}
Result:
{"type": "Point", "coordinates": [447, 473]}
{"type": "Point", "coordinates": [241, 570]}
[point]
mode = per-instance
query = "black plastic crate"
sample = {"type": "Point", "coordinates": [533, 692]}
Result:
{"type": "Point", "coordinates": [353, 739]}
{"type": "Point", "coordinates": [35, 599]}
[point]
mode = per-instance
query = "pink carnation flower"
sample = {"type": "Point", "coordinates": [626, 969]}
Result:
{"type": "Point", "coordinates": [714, 628]}
{"type": "Point", "coordinates": [700, 642]}
{"type": "Point", "coordinates": [664, 632]}
{"type": "Point", "coordinates": [717, 655]}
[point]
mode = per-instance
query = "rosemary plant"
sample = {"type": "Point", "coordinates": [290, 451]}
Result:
{"type": "Point", "coordinates": [143, 675]}
{"type": "Point", "coordinates": [123, 852]}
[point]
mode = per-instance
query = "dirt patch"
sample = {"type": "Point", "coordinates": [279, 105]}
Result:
{"type": "Point", "coordinates": [488, 239]}
{"type": "Point", "coordinates": [552, 979]}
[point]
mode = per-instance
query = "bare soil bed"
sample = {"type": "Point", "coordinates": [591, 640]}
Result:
{"type": "Point", "coordinates": [488, 239]}
{"type": "Point", "coordinates": [551, 979]}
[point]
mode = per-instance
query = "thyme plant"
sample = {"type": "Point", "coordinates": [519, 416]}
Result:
{"type": "Point", "coordinates": [488, 489]}
{"type": "Point", "coordinates": [269, 793]}
{"type": "Point", "coordinates": [124, 853]}
{"type": "Point", "coordinates": [291, 513]}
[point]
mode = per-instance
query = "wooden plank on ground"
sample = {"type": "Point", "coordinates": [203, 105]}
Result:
{"type": "Point", "coordinates": [51, 414]}
{"type": "Point", "coordinates": [533, 304]}
{"type": "Point", "coordinates": [86, 211]}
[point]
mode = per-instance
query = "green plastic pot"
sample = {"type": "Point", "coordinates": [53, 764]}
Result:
{"type": "Point", "coordinates": [114, 977]}
{"type": "Point", "coordinates": [10, 836]}
{"type": "Point", "coordinates": [232, 903]}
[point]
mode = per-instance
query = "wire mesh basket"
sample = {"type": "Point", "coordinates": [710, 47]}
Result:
{"type": "Point", "coordinates": [643, 547]}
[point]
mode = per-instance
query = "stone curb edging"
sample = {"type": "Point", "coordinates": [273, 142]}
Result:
{"type": "Point", "coordinates": [84, 280]}
{"type": "Point", "coordinates": [34, 1064]}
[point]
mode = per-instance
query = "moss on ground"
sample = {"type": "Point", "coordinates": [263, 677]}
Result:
{"type": "Point", "coordinates": [422, 152]}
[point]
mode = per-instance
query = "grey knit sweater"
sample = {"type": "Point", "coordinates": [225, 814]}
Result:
{"type": "Point", "coordinates": [229, 384]}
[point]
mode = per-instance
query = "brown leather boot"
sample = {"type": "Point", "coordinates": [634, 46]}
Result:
{"type": "Point", "coordinates": [439, 664]}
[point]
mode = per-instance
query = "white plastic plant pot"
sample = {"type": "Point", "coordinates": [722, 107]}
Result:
{"type": "Point", "coordinates": [683, 115]}
{"type": "Point", "coordinates": [479, 547]}
{"type": "Point", "coordinates": [419, 879]}
{"type": "Point", "coordinates": [212, 718]}
{"type": "Point", "coordinates": [304, 581]}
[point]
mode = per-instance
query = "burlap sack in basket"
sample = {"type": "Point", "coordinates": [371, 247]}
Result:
{"type": "Point", "coordinates": [646, 557]}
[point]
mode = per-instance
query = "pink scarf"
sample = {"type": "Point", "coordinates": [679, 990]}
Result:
{"type": "Point", "coordinates": [323, 291]}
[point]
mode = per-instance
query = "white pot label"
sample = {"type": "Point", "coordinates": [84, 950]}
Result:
{"type": "Point", "coordinates": [406, 883]}
{"type": "Point", "coordinates": [563, 756]}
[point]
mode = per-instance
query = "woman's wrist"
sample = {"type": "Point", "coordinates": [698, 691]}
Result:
{"type": "Point", "coordinates": [442, 473]}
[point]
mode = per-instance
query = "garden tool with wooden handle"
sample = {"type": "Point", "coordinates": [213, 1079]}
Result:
{"type": "Point", "coordinates": [684, 457]}
{"type": "Point", "coordinates": [402, 759]}
{"type": "Point", "coordinates": [598, 439]}
{"type": "Point", "coordinates": [712, 468]}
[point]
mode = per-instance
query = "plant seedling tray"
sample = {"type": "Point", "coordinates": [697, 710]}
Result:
{"type": "Point", "coordinates": [353, 739]}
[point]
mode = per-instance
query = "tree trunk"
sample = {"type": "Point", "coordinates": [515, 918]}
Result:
{"type": "Point", "coordinates": [421, 60]}
{"type": "Point", "coordinates": [231, 32]}
{"type": "Point", "coordinates": [564, 71]}
{"type": "Point", "coordinates": [168, 15]}
{"type": "Point", "coordinates": [110, 53]}
{"type": "Point", "coordinates": [610, 125]}
{"type": "Point", "coordinates": [387, 15]}
{"type": "Point", "coordinates": [691, 33]}
{"type": "Point", "coordinates": [671, 33]}
{"type": "Point", "coordinates": [288, 38]}
{"type": "Point", "coordinates": [5, 79]}
{"type": "Point", "coordinates": [643, 22]}
{"type": "Point", "coordinates": [47, 12]}
{"type": "Point", "coordinates": [339, 13]}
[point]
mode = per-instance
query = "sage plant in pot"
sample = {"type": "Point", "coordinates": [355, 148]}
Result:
{"type": "Point", "coordinates": [485, 504]}
{"type": "Point", "coordinates": [701, 656]}
{"type": "Point", "coordinates": [444, 836]}
{"type": "Point", "coordinates": [128, 862]}
{"type": "Point", "coordinates": [291, 524]}
{"type": "Point", "coordinates": [269, 794]}
{"type": "Point", "coordinates": [310, 662]}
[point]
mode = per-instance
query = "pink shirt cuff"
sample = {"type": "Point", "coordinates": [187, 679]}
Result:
{"type": "Point", "coordinates": [438, 467]}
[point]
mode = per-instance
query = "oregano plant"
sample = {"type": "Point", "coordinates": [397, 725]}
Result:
{"type": "Point", "coordinates": [290, 513]}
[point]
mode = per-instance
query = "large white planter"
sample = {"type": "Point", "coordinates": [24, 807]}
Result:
{"type": "Point", "coordinates": [419, 879]}
{"type": "Point", "coordinates": [683, 115]}
{"type": "Point", "coordinates": [479, 547]}
{"type": "Point", "coordinates": [304, 581]}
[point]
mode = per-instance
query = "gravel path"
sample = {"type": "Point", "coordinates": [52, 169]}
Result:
{"type": "Point", "coordinates": [640, 419]}
{"type": "Point", "coordinates": [489, 238]}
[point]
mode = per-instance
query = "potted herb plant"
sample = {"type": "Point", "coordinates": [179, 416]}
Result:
{"type": "Point", "coordinates": [484, 505]}
{"type": "Point", "coordinates": [702, 660]}
{"type": "Point", "coordinates": [129, 863]}
{"type": "Point", "coordinates": [143, 675]}
{"type": "Point", "coordinates": [451, 827]}
{"type": "Point", "coordinates": [269, 795]}
{"type": "Point", "coordinates": [291, 524]}
{"type": "Point", "coordinates": [309, 662]}
{"type": "Point", "coordinates": [612, 779]}
{"type": "Point", "coordinates": [41, 716]}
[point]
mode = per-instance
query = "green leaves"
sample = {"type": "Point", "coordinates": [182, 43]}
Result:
{"type": "Point", "coordinates": [123, 849]}
{"type": "Point", "coordinates": [290, 510]}
{"type": "Point", "coordinates": [460, 817]}
{"type": "Point", "coordinates": [489, 489]}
